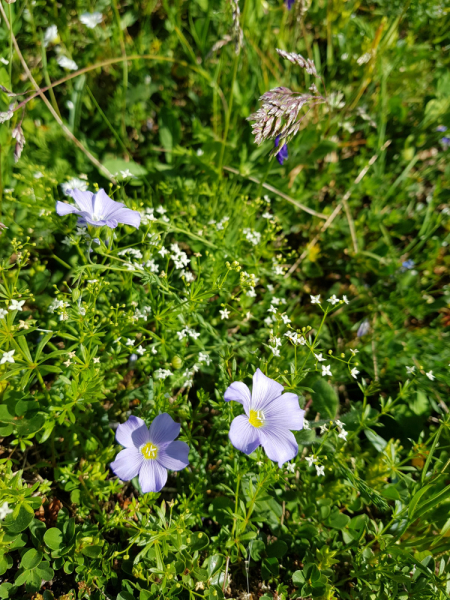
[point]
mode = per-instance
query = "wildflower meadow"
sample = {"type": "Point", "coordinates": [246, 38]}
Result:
{"type": "Point", "coordinates": [224, 299]}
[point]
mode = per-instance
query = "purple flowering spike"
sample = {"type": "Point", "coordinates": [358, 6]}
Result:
{"type": "Point", "coordinates": [98, 210]}
{"type": "Point", "coordinates": [149, 452]}
{"type": "Point", "coordinates": [270, 417]}
{"type": "Point", "coordinates": [283, 153]}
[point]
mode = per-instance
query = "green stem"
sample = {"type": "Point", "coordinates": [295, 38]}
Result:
{"type": "Point", "coordinates": [228, 116]}
{"type": "Point", "coordinates": [125, 68]}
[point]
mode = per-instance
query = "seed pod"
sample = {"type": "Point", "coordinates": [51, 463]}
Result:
{"type": "Point", "coordinates": [177, 362]}
{"type": "Point", "coordinates": [76, 294]}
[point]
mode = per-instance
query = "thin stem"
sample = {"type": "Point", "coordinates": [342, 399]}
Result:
{"type": "Point", "coordinates": [228, 116]}
{"type": "Point", "coordinates": [125, 67]}
{"type": "Point", "coordinates": [55, 115]}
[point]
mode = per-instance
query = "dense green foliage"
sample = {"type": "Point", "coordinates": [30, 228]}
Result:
{"type": "Point", "coordinates": [111, 327]}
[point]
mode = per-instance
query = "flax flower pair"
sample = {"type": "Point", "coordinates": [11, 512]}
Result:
{"type": "Point", "coordinates": [269, 418]}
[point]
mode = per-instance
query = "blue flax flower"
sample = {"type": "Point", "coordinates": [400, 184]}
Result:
{"type": "Point", "coordinates": [283, 153]}
{"type": "Point", "coordinates": [149, 452]}
{"type": "Point", "coordinates": [269, 418]}
{"type": "Point", "coordinates": [98, 210]}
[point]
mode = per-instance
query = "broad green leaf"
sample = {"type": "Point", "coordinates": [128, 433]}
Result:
{"type": "Point", "coordinates": [325, 400]}
{"type": "Point", "coordinates": [31, 559]}
{"type": "Point", "coordinates": [53, 538]}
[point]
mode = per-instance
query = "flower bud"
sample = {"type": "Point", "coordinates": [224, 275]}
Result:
{"type": "Point", "coordinates": [76, 294]}
{"type": "Point", "coordinates": [177, 362]}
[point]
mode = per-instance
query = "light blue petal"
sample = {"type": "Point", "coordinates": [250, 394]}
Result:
{"type": "Point", "coordinates": [264, 390]}
{"type": "Point", "coordinates": [284, 412]}
{"type": "Point", "coordinates": [279, 444]}
{"type": "Point", "coordinates": [133, 433]}
{"type": "Point", "coordinates": [127, 464]}
{"type": "Point", "coordinates": [164, 430]}
{"type": "Point", "coordinates": [244, 436]}
{"type": "Point", "coordinates": [239, 392]}
{"type": "Point", "coordinates": [174, 456]}
{"type": "Point", "coordinates": [152, 476]}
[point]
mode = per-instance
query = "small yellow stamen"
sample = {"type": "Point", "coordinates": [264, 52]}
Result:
{"type": "Point", "coordinates": [256, 418]}
{"type": "Point", "coordinates": [149, 450]}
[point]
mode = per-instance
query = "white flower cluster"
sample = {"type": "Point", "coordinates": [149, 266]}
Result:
{"type": "Point", "coordinates": [295, 338]}
{"type": "Point", "coordinates": [219, 224]}
{"type": "Point", "coordinates": [274, 343]}
{"type": "Point", "coordinates": [130, 252]}
{"type": "Point", "coordinates": [138, 314]}
{"type": "Point", "coordinates": [162, 373]}
{"type": "Point", "coordinates": [147, 215]}
{"type": "Point", "coordinates": [277, 268]}
{"type": "Point", "coordinates": [59, 305]}
{"type": "Point", "coordinates": [250, 281]}
{"type": "Point", "coordinates": [187, 332]}
{"type": "Point", "coordinates": [74, 184]}
{"type": "Point", "coordinates": [254, 237]}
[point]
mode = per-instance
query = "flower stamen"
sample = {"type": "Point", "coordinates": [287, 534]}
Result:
{"type": "Point", "coordinates": [149, 450]}
{"type": "Point", "coordinates": [256, 418]}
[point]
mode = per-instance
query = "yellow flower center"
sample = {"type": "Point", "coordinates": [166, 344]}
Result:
{"type": "Point", "coordinates": [256, 418]}
{"type": "Point", "coordinates": [149, 450]}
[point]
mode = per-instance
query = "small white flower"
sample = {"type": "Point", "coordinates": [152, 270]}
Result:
{"type": "Point", "coordinates": [343, 434]}
{"type": "Point", "coordinates": [3, 313]}
{"type": "Point", "coordinates": [7, 357]}
{"type": "Point", "coordinates": [248, 315]}
{"type": "Point", "coordinates": [315, 299]}
{"type": "Point", "coordinates": [326, 370]}
{"type": "Point", "coordinates": [272, 309]}
{"type": "Point", "coordinates": [410, 370]}
{"type": "Point", "coordinates": [306, 425]}
{"type": "Point", "coordinates": [320, 470]}
{"type": "Point", "coordinates": [345, 299]}
{"type": "Point", "coordinates": [74, 184]}
{"type": "Point", "coordinates": [311, 460]}
{"type": "Point", "coordinates": [354, 351]}
{"type": "Point", "coordinates": [4, 61]}
{"type": "Point", "coordinates": [16, 304]}
{"type": "Point", "coordinates": [224, 314]}
{"type": "Point", "coordinates": [319, 357]}
{"type": "Point", "coordinates": [290, 467]}
{"type": "Point", "coordinates": [333, 300]}
{"type": "Point", "coordinates": [129, 342]}
{"type": "Point", "coordinates": [4, 510]}
{"type": "Point", "coordinates": [68, 362]}
{"type": "Point", "coordinates": [51, 35]}
{"type": "Point", "coordinates": [67, 63]}
{"type": "Point", "coordinates": [323, 428]}
{"type": "Point", "coordinates": [285, 319]}
{"type": "Point", "coordinates": [267, 215]}
{"type": "Point", "coordinates": [91, 20]}
{"type": "Point", "coordinates": [354, 372]}
{"type": "Point", "coordinates": [430, 375]}
{"type": "Point", "coordinates": [140, 350]}
{"type": "Point", "coordinates": [339, 424]}
{"type": "Point", "coordinates": [96, 360]}
{"type": "Point", "coordinates": [275, 351]}
{"type": "Point", "coordinates": [127, 174]}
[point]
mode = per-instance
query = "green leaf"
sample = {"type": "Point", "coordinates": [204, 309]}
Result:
{"type": "Point", "coordinates": [215, 562]}
{"type": "Point", "coordinates": [31, 559]}
{"type": "Point", "coordinates": [257, 548]}
{"type": "Point", "coordinates": [415, 499]}
{"type": "Point", "coordinates": [92, 551]}
{"type": "Point", "coordinates": [45, 571]}
{"type": "Point", "coordinates": [338, 520]}
{"type": "Point", "coordinates": [278, 549]}
{"type": "Point", "coordinates": [53, 538]}
{"type": "Point", "coordinates": [377, 441]}
{"type": "Point", "coordinates": [115, 165]}
{"type": "Point", "coordinates": [5, 563]}
{"type": "Point", "coordinates": [440, 497]}
{"type": "Point", "coordinates": [298, 577]}
{"type": "Point", "coordinates": [269, 568]}
{"type": "Point", "coordinates": [19, 519]}
{"type": "Point", "coordinates": [5, 589]}
{"type": "Point", "coordinates": [325, 400]}
{"type": "Point", "coordinates": [198, 541]}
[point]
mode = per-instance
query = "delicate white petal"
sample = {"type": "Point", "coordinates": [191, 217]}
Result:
{"type": "Point", "coordinates": [174, 456]}
{"type": "Point", "coordinates": [133, 433]}
{"type": "Point", "coordinates": [284, 412]}
{"type": "Point", "coordinates": [279, 444]}
{"type": "Point", "coordinates": [164, 430]}
{"type": "Point", "coordinates": [264, 390]}
{"type": "Point", "coordinates": [239, 392]}
{"type": "Point", "coordinates": [127, 464]}
{"type": "Point", "coordinates": [152, 476]}
{"type": "Point", "coordinates": [244, 436]}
